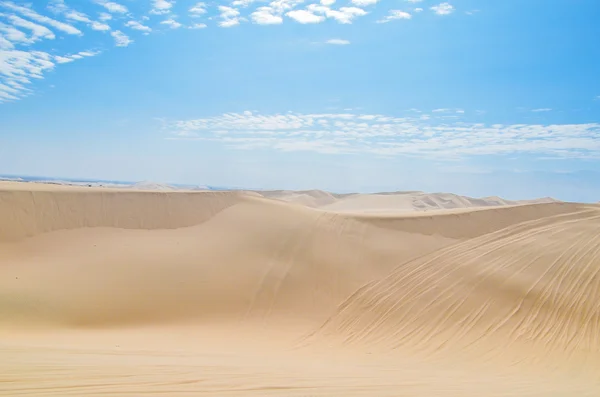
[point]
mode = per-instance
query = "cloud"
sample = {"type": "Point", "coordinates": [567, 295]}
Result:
{"type": "Point", "coordinates": [229, 17]}
{"type": "Point", "coordinates": [242, 3]}
{"type": "Point", "coordinates": [105, 16]}
{"type": "Point", "coordinates": [266, 16]}
{"type": "Point", "coordinates": [71, 58]}
{"type": "Point", "coordinates": [541, 110]}
{"type": "Point", "coordinates": [14, 35]}
{"type": "Point", "coordinates": [121, 39]}
{"type": "Point", "coordinates": [198, 9]}
{"type": "Point", "coordinates": [327, 3]}
{"type": "Point", "coordinates": [161, 7]}
{"type": "Point", "coordinates": [17, 68]}
{"type": "Point", "coordinates": [79, 17]}
{"type": "Point", "coordinates": [197, 26]}
{"type": "Point", "coordinates": [344, 15]}
{"type": "Point", "coordinates": [38, 31]}
{"type": "Point", "coordinates": [413, 1]}
{"type": "Point", "coordinates": [443, 9]}
{"type": "Point", "coordinates": [138, 26]}
{"type": "Point", "coordinates": [305, 17]}
{"type": "Point", "coordinates": [112, 6]}
{"type": "Point", "coordinates": [173, 24]}
{"type": "Point", "coordinates": [337, 42]}
{"type": "Point", "coordinates": [5, 44]}
{"type": "Point", "coordinates": [99, 26]}
{"type": "Point", "coordinates": [29, 13]}
{"type": "Point", "coordinates": [362, 3]}
{"type": "Point", "coordinates": [395, 14]}
{"type": "Point", "coordinates": [388, 135]}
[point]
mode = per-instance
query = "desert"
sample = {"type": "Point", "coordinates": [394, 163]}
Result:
{"type": "Point", "coordinates": [112, 291]}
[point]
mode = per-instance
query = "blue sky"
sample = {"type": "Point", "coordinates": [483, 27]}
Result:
{"type": "Point", "coordinates": [473, 97]}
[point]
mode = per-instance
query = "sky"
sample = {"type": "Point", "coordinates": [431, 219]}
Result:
{"type": "Point", "coordinates": [481, 98]}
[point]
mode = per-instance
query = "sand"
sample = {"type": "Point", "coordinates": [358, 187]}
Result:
{"type": "Point", "coordinates": [390, 202]}
{"type": "Point", "coordinates": [136, 293]}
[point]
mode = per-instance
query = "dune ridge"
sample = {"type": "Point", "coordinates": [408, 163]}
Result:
{"type": "Point", "coordinates": [391, 202]}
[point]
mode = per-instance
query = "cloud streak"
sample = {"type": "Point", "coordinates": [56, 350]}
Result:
{"type": "Point", "coordinates": [377, 134]}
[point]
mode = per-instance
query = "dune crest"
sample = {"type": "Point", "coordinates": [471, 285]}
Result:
{"type": "Point", "coordinates": [390, 202]}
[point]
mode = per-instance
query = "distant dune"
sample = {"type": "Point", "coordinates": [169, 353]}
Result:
{"type": "Point", "coordinates": [389, 201]}
{"type": "Point", "coordinates": [140, 292]}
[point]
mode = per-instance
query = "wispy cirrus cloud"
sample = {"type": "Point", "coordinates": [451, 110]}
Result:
{"type": "Point", "coordinates": [31, 14]}
{"type": "Point", "coordinates": [387, 135]}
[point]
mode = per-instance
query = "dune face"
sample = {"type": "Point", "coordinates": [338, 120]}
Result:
{"type": "Point", "coordinates": [232, 293]}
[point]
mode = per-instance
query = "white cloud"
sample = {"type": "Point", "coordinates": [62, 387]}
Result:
{"type": "Point", "coordinates": [242, 3]}
{"type": "Point", "coordinates": [112, 6]}
{"type": "Point", "coordinates": [266, 16]}
{"type": "Point", "coordinates": [337, 42]}
{"type": "Point", "coordinates": [5, 44]}
{"type": "Point", "coordinates": [14, 35]}
{"type": "Point", "coordinates": [541, 110]}
{"type": "Point", "coordinates": [121, 39]}
{"type": "Point", "coordinates": [327, 3]}
{"type": "Point", "coordinates": [161, 7]}
{"type": "Point", "coordinates": [105, 16]}
{"type": "Point", "coordinates": [198, 9]}
{"type": "Point", "coordinates": [197, 26]}
{"type": "Point", "coordinates": [362, 3]}
{"type": "Point", "coordinates": [281, 6]}
{"type": "Point", "coordinates": [138, 26]}
{"type": "Point", "coordinates": [387, 135]}
{"type": "Point", "coordinates": [99, 26]}
{"type": "Point", "coordinates": [229, 17]}
{"type": "Point", "coordinates": [443, 9]}
{"type": "Point", "coordinates": [71, 58]}
{"type": "Point", "coordinates": [29, 13]}
{"type": "Point", "coordinates": [38, 31]}
{"type": "Point", "coordinates": [304, 16]}
{"type": "Point", "coordinates": [418, 9]}
{"type": "Point", "coordinates": [77, 16]}
{"type": "Point", "coordinates": [173, 24]}
{"type": "Point", "coordinates": [57, 6]}
{"type": "Point", "coordinates": [344, 15]}
{"type": "Point", "coordinates": [17, 68]}
{"type": "Point", "coordinates": [395, 14]}
{"type": "Point", "coordinates": [413, 1]}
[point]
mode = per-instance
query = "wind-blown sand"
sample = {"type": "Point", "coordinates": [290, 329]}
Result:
{"type": "Point", "coordinates": [124, 292]}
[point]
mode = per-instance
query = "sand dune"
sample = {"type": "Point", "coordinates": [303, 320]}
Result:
{"type": "Point", "coordinates": [391, 202]}
{"type": "Point", "coordinates": [127, 292]}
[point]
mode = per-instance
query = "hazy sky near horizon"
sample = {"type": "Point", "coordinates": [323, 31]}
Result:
{"type": "Point", "coordinates": [498, 97]}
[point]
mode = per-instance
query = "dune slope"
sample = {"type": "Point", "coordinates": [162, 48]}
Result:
{"type": "Point", "coordinates": [531, 287]}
